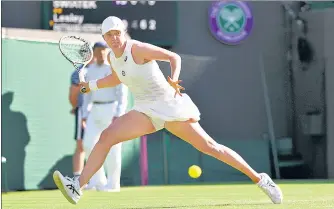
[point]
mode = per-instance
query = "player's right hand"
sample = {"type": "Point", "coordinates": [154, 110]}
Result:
{"type": "Point", "coordinates": [85, 84]}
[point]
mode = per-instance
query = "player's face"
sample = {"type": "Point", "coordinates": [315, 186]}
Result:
{"type": "Point", "coordinates": [114, 38]}
{"type": "Point", "coordinates": [99, 54]}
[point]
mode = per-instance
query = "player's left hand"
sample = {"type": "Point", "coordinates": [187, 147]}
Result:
{"type": "Point", "coordinates": [176, 86]}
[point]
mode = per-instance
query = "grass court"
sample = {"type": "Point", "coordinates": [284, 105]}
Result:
{"type": "Point", "coordinates": [297, 194]}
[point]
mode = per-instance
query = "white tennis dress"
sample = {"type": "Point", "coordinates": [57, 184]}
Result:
{"type": "Point", "coordinates": [152, 93]}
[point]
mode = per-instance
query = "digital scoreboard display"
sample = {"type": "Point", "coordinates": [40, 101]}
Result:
{"type": "Point", "coordinates": [154, 22]}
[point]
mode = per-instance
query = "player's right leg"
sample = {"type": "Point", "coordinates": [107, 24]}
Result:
{"type": "Point", "coordinates": [129, 126]}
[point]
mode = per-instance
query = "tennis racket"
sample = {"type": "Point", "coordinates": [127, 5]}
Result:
{"type": "Point", "coordinates": [79, 52]}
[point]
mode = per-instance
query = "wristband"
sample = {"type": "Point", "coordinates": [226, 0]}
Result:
{"type": "Point", "coordinates": [93, 85]}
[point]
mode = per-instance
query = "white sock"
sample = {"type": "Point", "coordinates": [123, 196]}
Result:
{"type": "Point", "coordinates": [76, 174]}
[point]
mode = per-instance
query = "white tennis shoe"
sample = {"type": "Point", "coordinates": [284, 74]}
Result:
{"type": "Point", "coordinates": [270, 188]}
{"type": "Point", "coordinates": [70, 187]}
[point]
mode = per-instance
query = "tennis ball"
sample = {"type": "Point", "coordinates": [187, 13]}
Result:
{"type": "Point", "coordinates": [194, 171]}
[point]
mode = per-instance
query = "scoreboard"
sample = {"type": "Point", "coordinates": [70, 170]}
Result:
{"type": "Point", "coordinates": [154, 22]}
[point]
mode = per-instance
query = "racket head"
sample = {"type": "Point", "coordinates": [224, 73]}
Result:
{"type": "Point", "coordinates": [77, 50]}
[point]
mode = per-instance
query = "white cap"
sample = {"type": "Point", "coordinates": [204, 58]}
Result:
{"type": "Point", "coordinates": [112, 23]}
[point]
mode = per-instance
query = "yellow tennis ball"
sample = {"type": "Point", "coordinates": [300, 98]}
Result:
{"type": "Point", "coordinates": [194, 171]}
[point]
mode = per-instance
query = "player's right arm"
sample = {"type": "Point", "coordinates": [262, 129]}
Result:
{"type": "Point", "coordinates": [111, 80]}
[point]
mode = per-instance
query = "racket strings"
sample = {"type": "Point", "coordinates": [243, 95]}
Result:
{"type": "Point", "coordinates": [76, 50]}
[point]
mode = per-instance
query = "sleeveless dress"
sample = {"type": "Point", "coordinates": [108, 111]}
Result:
{"type": "Point", "coordinates": [152, 93]}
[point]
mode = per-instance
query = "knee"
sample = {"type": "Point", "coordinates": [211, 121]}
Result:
{"type": "Point", "coordinates": [107, 138]}
{"type": "Point", "coordinates": [211, 148]}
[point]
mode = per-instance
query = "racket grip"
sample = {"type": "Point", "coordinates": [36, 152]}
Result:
{"type": "Point", "coordinates": [83, 89]}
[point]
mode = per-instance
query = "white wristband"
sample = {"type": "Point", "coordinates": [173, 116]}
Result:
{"type": "Point", "coordinates": [93, 85]}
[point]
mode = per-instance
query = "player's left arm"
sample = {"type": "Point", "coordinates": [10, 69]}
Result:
{"type": "Point", "coordinates": [148, 52]}
{"type": "Point", "coordinates": [122, 98]}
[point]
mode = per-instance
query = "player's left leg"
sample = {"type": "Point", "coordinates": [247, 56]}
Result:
{"type": "Point", "coordinates": [194, 134]}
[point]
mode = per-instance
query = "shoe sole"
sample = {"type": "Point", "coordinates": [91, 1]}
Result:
{"type": "Point", "coordinates": [273, 200]}
{"type": "Point", "coordinates": [60, 186]}
{"type": "Point", "coordinates": [280, 191]}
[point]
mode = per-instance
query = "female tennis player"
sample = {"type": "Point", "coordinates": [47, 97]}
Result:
{"type": "Point", "coordinates": [158, 104]}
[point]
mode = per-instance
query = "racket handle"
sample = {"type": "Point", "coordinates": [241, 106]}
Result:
{"type": "Point", "coordinates": [83, 89]}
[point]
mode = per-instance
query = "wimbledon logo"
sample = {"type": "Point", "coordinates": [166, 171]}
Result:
{"type": "Point", "coordinates": [230, 21]}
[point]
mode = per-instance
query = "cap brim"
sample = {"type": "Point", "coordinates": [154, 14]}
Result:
{"type": "Point", "coordinates": [112, 28]}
